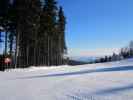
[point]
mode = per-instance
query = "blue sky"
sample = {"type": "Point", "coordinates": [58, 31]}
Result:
{"type": "Point", "coordinates": [96, 27]}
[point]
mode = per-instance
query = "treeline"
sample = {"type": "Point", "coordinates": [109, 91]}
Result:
{"type": "Point", "coordinates": [34, 32]}
{"type": "Point", "coordinates": [126, 52]}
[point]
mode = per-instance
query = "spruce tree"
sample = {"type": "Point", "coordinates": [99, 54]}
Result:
{"type": "Point", "coordinates": [50, 8]}
{"type": "Point", "coordinates": [61, 29]}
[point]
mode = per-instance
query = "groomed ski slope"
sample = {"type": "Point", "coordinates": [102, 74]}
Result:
{"type": "Point", "coordinates": [107, 81]}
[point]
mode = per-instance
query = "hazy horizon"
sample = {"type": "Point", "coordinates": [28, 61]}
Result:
{"type": "Point", "coordinates": [96, 27]}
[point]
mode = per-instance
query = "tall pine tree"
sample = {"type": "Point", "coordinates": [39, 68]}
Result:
{"type": "Point", "coordinates": [61, 30]}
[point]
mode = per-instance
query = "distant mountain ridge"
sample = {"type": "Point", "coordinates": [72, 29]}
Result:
{"type": "Point", "coordinates": [83, 59]}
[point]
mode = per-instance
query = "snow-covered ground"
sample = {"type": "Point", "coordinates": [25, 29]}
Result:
{"type": "Point", "coordinates": [107, 81]}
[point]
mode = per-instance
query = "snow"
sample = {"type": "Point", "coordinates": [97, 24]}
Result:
{"type": "Point", "coordinates": [103, 81]}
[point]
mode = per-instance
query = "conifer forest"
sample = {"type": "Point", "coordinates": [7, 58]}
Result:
{"type": "Point", "coordinates": [32, 32]}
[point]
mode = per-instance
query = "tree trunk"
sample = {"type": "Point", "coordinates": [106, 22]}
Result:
{"type": "Point", "coordinates": [48, 60]}
{"type": "Point", "coordinates": [27, 55]}
{"type": "Point", "coordinates": [17, 50]}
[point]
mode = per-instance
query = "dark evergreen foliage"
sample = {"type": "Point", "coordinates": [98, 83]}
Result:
{"type": "Point", "coordinates": [34, 32]}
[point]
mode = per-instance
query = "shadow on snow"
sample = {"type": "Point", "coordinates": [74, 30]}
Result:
{"type": "Point", "coordinates": [114, 69]}
{"type": "Point", "coordinates": [106, 70]}
{"type": "Point", "coordinates": [115, 90]}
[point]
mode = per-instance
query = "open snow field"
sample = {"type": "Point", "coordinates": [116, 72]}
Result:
{"type": "Point", "coordinates": [107, 81]}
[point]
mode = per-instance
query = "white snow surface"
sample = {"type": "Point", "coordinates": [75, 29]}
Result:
{"type": "Point", "coordinates": [103, 81]}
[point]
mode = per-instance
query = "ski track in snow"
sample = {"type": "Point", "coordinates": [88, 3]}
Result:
{"type": "Point", "coordinates": [105, 81]}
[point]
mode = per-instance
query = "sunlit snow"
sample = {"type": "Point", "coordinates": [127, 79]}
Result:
{"type": "Point", "coordinates": [107, 81]}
